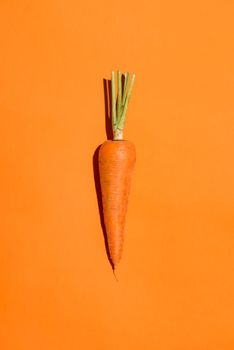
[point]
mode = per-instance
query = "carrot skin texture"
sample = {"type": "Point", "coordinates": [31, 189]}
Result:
{"type": "Point", "coordinates": [116, 164]}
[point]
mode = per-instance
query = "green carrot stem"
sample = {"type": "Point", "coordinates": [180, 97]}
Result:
{"type": "Point", "coordinates": [119, 101]}
{"type": "Point", "coordinates": [113, 100]}
{"type": "Point", "coordinates": [123, 116]}
{"type": "Point", "coordinates": [125, 88]}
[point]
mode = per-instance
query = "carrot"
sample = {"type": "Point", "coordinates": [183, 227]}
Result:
{"type": "Point", "coordinates": [116, 162]}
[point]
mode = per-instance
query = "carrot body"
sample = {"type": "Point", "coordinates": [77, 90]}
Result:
{"type": "Point", "coordinates": [116, 163]}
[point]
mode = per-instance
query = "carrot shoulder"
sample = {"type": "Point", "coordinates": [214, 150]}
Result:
{"type": "Point", "coordinates": [116, 164]}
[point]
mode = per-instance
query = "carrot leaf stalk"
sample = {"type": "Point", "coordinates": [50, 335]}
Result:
{"type": "Point", "coordinates": [123, 97]}
{"type": "Point", "coordinates": [125, 87]}
{"type": "Point", "coordinates": [119, 100]}
{"type": "Point", "coordinates": [113, 101]}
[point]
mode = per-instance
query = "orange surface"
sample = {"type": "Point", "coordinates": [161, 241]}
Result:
{"type": "Point", "coordinates": [176, 287]}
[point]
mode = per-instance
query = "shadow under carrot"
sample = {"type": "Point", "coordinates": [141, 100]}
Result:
{"type": "Point", "coordinates": [109, 135]}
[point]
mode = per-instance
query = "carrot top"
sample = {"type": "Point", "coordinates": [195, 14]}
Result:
{"type": "Point", "coordinates": [119, 109]}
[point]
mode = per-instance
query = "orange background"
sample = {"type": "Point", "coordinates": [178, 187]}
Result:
{"type": "Point", "coordinates": [176, 287]}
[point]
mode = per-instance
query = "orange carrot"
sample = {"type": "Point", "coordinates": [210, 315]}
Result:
{"type": "Point", "coordinates": [116, 163]}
